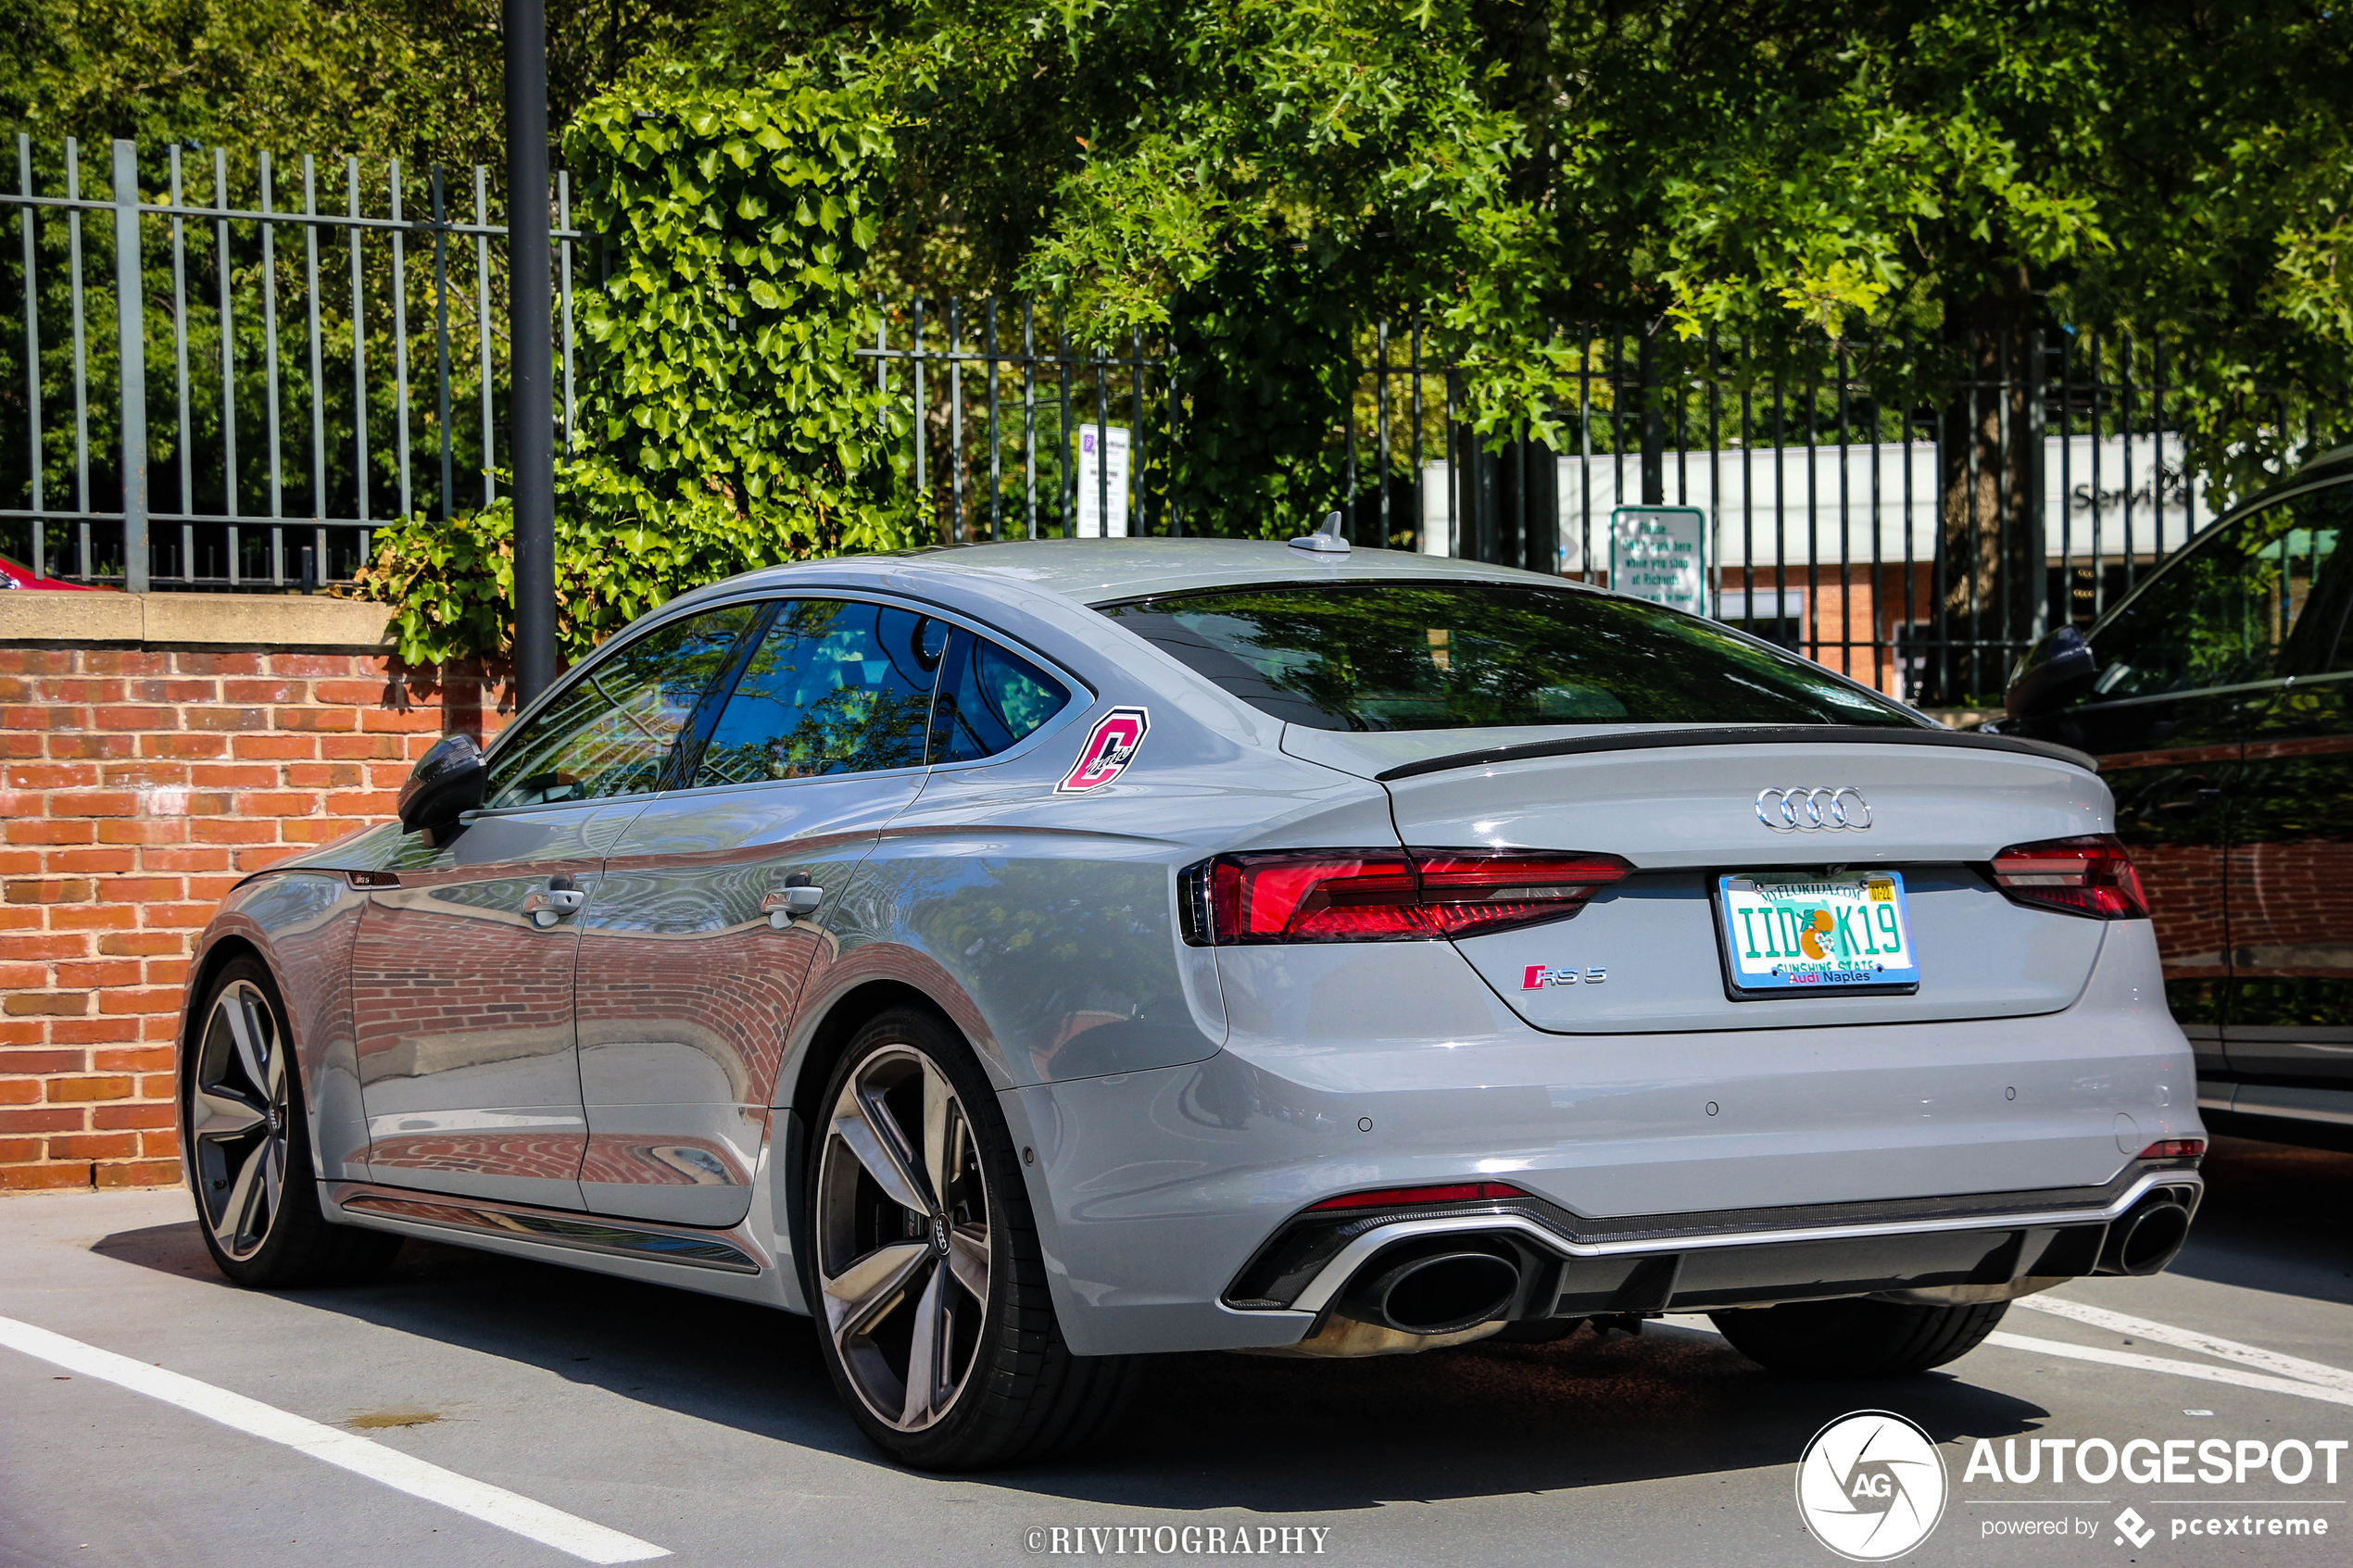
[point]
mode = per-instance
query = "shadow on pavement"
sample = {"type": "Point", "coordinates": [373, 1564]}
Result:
{"type": "Point", "coordinates": [2274, 1219]}
{"type": "Point", "coordinates": [1207, 1431]}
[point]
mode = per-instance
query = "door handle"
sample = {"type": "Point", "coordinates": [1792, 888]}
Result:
{"type": "Point", "coordinates": [789, 904]}
{"type": "Point", "coordinates": [547, 905]}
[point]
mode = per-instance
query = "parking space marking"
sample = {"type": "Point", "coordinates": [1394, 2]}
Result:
{"type": "Point", "coordinates": [2180, 1369]}
{"type": "Point", "coordinates": [2190, 1339]}
{"type": "Point", "coordinates": [491, 1505]}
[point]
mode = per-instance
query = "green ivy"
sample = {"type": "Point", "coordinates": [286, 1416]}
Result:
{"type": "Point", "coordinates": [726, 423]}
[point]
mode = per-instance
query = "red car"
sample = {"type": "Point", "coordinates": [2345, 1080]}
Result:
{"type": "Point", "coordinates": [16, 574]}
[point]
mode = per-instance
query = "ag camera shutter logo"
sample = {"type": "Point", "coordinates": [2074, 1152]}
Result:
{"type": "Point", "coordinates": [1872, 1486]}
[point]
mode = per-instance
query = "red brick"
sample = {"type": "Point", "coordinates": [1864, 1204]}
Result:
{"type": "Point", "coordinates": [40, 947]}
{"type": "Point", "coordinates": [94, 803]}
{"type": "Point", "coordinates": [167, 972]}
{"type": "Point", "coordinates": [279, 805]}
{"type": "Point", "coordinates": [187, 803]}
{"type": "Point", "coordinates": [386, 721]}
{"type": "Point", "coordinates": [322, 830]}
{"type": "Point", "coordinates": [227, 830]}
{"type": "Point", "coordinates": [47, 891]}
{"type": "Point", "coordinates": [159, 999]}
{"type": "Point", "coordinates": [140, 889]}
{"type": "Point", "coordinates": [315, 718]}
{"type": "Point", "coordinates": [19, 1091]}
{"type": "Point", "coordinates": [311, 666]}
{"type": "Point", "coordinates": [269, 855]}
{"type": "Point", "coordinates": [164, 1144]}
{"type": "Point", "coordinates": [385, 748]}
{"type": "Point", "coordinates": [145, 829]}
{"type": "Point", "coordinates": [184, 860]}
{"type": "Point", "coordinates": [29, 1178]}
{"type": "Point", "coordinates": [79, 690]}
{"type": "Point", "coordinates": [19, 863]}
{"type": "Point", "coordinates": [90, 975]}
{"type": "Point", "coordinates": [161, 1085]}
{"type": "Point", "coordinates": [234, 775]}
{"type": "Point", "coordinates": [179, 745]}
{"type": "Point", "coordinates": [324, 775]}
{"type": "Point", "coordinates": [228, 718]}
{"type": "Point", "coordinates": [33, 716]}
{"type": "Point", "coordinates": [43, 1118]}
{"type": "Point", "coordinates": [50, 775]}
{"type": "Point", "coordinates": [93, 917]}
{"type": "Point", "coordinates": [38, 662]}
{"type": "Point", "coordinates": [137, 1173]}
{"type": "Point", "coordinates": [174, 690]}
{"type": "Point", "coordinates": [72, 1091]}
{"type": "Point", "coordinates": [17, 1151]}
{"type": "Point", "coordinates": [125, 661]}
{"type": "Point", "coordinates": [136, 1058]}
{"type": "Point", "coordinates": [372, 803]}
{"type": "Point", "coordinates": [262, 691]}
{"type": "Point", "coordinates": [100, 1031]}
{"type": "Point", "coordinates": [128, 717]}
{"type": "Point", "coordinates": [95, 1146]}
{"type": "Point", "coordinates": [121, 744]}
{"type": "Point", "coordinates": [176, 917]}
{"type": "Point", "coordinates": [45, 1004]}
{"type": "Point", "coordinates": [276, 747]}
{"type": "Point", "coordinates": [41, 830]}
{"type": "Point", "coordinates": [358, 694]}
{"type": "Point", "coordinates": [104, 862]}
{"type": "Point", "coordinates": [133, 1114]}
{"type": "Point", "coordinates": [142, 943]}
{"type": "Point", "coordinates": [42, 1062]}
{"type": "Point", "coordinates": [145, 774]}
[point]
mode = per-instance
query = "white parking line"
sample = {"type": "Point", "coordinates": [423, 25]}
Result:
{"type": "Point", "coordinates": [491, 1505]}
{"type": "Point", "coordinates": [2179, 1369]}
{"type": "Point", "coordinates": [2189, 1339]}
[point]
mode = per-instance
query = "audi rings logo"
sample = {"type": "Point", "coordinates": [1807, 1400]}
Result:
{"type": "Point", "coordinates": [1814, 810]}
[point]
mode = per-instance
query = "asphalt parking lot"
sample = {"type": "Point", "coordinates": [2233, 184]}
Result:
{"type": "Point", "coordinates": [705, 1430]}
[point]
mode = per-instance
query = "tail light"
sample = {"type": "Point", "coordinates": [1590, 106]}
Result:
{"type": "Point", "coordinates": [1395, 1197]}
{"type": "Point", "coordinates": [2163, 1148]}
{"type": "Point", "coordinates": [2089, 877]}
{"type": "Point", "coordinates": [1385, 895]}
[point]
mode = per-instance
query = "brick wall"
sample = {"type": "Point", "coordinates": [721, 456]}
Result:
{"type": "Point", "coordinates": [137, 784]}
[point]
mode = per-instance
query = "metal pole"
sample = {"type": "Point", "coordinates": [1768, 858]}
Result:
{"type": "Point", "coordinates": [1653, 433]}
{"type": "Point", "coordinates": [530, 401]}
{"type": "Point", "coordinates": [129, 303]}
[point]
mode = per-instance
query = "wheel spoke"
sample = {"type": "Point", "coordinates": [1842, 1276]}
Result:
{"type": "Point", "coordinates": [940, 1113]}
{"type": "Point", "coordinates": [253, 1050]}
{"type": "Point", "coordinates": [245, 1195]}
{"type": "Point", "coordinates": [273, 1172]}
{"type": "Point", "coordinates": [879, 1148]}
{"type": "Point", "coordinates": [222, 1114]}
{"type": "Point", "coordinates": [925, 1350]}
{"type": "Point", "coordinates": [968, 1261]}
{"type": "Point", "coordinates": [864, 1291]}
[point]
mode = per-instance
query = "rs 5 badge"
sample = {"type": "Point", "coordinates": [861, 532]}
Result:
{"type": "Point", "coordinates": [1111, 745]}
{"type": "Point", "coordinates": [1537, 977]}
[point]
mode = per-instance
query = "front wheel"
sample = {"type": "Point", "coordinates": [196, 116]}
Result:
{"type": "Point", "coordinates": [927, 1280]}
{"type": "Point", "coordinates": [248, 1146]}
{"type": "Point", "coordinates": [1857, 1337]}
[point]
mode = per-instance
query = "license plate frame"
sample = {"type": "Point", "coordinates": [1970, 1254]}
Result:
{"type": "Point", "coordinates": [1759, 967]}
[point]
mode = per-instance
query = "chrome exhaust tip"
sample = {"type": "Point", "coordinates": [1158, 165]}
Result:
{"type": "Point", "coordinates": [1436, 1293]}
{"type": "Point", "coordinates": [2148, 1238]}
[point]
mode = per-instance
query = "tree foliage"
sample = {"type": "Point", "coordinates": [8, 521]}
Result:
{"type": "Point", "coordinates": [726, 423]}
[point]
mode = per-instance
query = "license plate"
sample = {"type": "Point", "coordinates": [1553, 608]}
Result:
{"type": "Point", "coordinates": [1792, 934]}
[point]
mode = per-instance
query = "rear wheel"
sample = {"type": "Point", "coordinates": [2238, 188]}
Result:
{"type": "Point", "coordinates": [927, 1281]}
{"type": "Point", "coordinates": [248, 1146]}
{"type": "Point", "coordinates": [1855, 1338]}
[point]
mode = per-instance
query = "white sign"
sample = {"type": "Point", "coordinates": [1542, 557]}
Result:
{"type": "Point", "coordinates": [1095, 474]}
{"type": "Point", "coordinates": [1660, 554]}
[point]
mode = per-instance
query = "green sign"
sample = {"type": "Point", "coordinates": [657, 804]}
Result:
{"type": "Point", "coordinates": [1660, 554]}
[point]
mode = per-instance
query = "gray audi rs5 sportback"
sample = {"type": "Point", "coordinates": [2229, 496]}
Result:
{"type": "Point", "coordinates": [1023, 957]}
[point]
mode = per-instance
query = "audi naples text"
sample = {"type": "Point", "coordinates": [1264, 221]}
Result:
{"type": "Point", "coordinates": [1027, 958]}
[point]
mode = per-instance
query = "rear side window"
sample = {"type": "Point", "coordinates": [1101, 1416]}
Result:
{"type": "Point", "coordinates": [610, 732]}
{"type": "Point", "coordinates": [989, 699]}
{"type": "Point", "coordinates": [835, 686]}
{"type": "Point", "coordinates": [1446, 656]}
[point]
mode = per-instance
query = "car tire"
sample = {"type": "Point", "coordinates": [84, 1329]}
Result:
{"type": "Point", "coordinates": [920, 1250]}
{"type": "Point", "coordinates": [247, 1141]}
{"type": "Point", "coordinates": [1857, 1337]}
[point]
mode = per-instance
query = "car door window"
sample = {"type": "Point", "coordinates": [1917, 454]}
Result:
{"type": "Point", "coordinates": [2262, 598]}
{"type": "Point", "coordinates": [989, 698]}
{"type": "Point", "coordinates": [835, 686]}
{"type": "Point", "coordinates": [611, 729]}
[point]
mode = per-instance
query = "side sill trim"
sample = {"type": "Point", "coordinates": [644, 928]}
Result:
{"type": "Point", "coordinates": [1757, 734]}
{"type": "Point", "coordinates": [1343, 1264]}
{"type": "Point", "coordinates": [578, 1234]}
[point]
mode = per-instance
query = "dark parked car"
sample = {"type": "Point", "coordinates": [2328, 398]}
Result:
{"type": "Point", "coordinates": [2218, 697]}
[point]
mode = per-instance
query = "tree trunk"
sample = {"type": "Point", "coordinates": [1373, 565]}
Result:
{"type": "Point", "coordinates": [1989, 550]}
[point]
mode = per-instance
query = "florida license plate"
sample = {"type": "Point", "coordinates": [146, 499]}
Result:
{"type": "Point", "coordinates": [1792, 932]}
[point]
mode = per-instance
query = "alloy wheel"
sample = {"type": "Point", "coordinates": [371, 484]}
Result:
{"type": "Point", "coordinates": [239, 1120]}
{"type": "Point", "coordinates": [903, 1237]}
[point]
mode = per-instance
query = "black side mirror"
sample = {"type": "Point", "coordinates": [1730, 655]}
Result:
{"type": "Point", "coordinates": [446, 782]}
{"type": "Point", "coordinates": [2054, 673]}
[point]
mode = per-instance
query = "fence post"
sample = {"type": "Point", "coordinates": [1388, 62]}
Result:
{"type": "Point", "coordinates": [128, 314]}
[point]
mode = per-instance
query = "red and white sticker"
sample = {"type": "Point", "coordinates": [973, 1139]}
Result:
{"type": "Point", "coordinates": [1111, 745]}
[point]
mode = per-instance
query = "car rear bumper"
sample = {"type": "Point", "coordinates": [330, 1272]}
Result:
{"type": "Point", "coordinates": [1155, 1191]}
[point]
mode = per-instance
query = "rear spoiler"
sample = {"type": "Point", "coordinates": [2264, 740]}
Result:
{"type": "Point", "coordinates": [1745, 735]}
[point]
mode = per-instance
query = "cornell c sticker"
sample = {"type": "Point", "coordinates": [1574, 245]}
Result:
{"type": "Point", "coordinates": [1111, 745]}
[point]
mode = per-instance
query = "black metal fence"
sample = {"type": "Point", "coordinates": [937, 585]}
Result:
{"type": "Point", "coordinates": [220, 372]}
{"type": "Point", "coordinates": [197, 393]}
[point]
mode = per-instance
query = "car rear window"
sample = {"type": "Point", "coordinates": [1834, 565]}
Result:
{"type": "Point", "coordinates": [1447, 656]}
